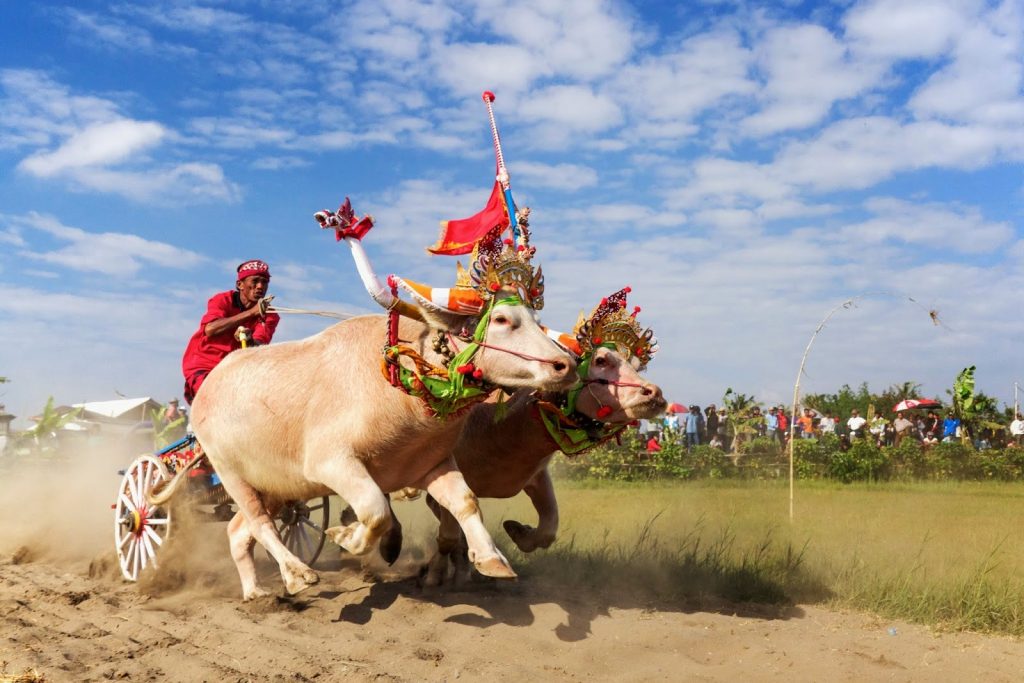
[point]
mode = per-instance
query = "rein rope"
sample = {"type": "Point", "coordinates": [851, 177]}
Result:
{"type": "Point", "coordinates": [325, 314]}
{"type": "Point", "coordinates": [525, 356]}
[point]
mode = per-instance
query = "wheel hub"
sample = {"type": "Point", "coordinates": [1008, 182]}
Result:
{"type": "Point", "coordinates": [132, 521]}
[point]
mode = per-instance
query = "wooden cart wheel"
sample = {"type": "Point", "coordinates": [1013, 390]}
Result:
{"type": "Point", "coordinates": [140, 530]}
{"type": "Point", "coordinates": [302, 524]}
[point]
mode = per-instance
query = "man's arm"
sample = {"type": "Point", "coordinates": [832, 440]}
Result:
{"type": "Point", "coordinates": [222, 325]}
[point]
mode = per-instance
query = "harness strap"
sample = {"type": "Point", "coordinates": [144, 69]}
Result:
{"type": "Point", "coordinates": [393, 337]}
{"type": "Point", "coordinates": [568, 435]}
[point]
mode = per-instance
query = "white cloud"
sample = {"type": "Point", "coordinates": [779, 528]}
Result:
{"type": "Point", "coordinates": [929, 226]}
{"type": "Point", "coordinates": [188, 183]}
{"type": "Point", "coordinates": [905, 29]}
{"type": "Point", "coordinates": [116, 34]}
{"type": "Point", "coordinates": [470, 68]}
{"type": "Point", "coordinates": [35, 109]}
{"type": "Point", "coordinates": [98, 145]}
{"type": "Point", "coordinates": [984, 80]}
{"type": "Point", "coordinates": [807, 70]}
{"type": "Point", "coordinates": [724, 182]}
{"type": "Point", "coordinates": [858, 152]}
{"type": "Point", "coordinates": [680, 84]}
{"type": "Point", "coordinates": [568, 177]}
{"type": "Point", "coordinates": [109, 253]}
{"type": "Point", "coordinates": [572, 108]}
{"type": "Point", "coordinates": [581, 39]}
{"type": "Point", "coordinates": [239, 133]}
{"type": "Point", "coordinates": [99, 149]}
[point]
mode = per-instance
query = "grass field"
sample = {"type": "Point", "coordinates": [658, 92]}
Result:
{"type": "Point", "coordinates": [950, 555]}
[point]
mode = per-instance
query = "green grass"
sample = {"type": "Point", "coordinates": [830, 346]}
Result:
{"type": "Point", "coordinates": [946, 554]}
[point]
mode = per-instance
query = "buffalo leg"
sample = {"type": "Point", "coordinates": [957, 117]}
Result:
{"type": "Point", "coordinates": [541, 491]}
{"type": "Point", "coordinates": [297, 576]}
{"type": "Point", "coordinates": [446, 484]}
{"type": "Point", "coordinates": [449, 537]}
{"type": "Point", "coordinates": [350, 480]}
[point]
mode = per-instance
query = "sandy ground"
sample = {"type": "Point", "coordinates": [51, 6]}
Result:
{"type": "Point", "coordinates": [65, 611]}
{"type": "Point", "coordinates": [76, 623]}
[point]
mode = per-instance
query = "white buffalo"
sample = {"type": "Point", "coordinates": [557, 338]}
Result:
{"type": "Point", "coordinates": [309, 418]}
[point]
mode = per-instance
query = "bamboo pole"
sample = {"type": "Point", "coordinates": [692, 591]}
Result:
{"type": "Point", "coordinates": [848, 303]}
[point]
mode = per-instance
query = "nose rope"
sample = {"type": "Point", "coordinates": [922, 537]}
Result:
{"type": "Point", "coordinates": [616, 383]}
{"type": "Point", "coordinates": [519, 354]}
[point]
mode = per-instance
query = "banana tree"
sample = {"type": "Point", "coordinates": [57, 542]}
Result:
{"type": "Point", "coordinates": [165, 432]}
{"type": "Point", "coordinates": [975, 410]}
{"type": "Point", "coordinates": [740, 415]}
{"type": "Point", "coordinates": [50, 421]}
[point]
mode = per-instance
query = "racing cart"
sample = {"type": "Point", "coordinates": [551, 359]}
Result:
{"type": "Point", "coordinates": [140, 530]}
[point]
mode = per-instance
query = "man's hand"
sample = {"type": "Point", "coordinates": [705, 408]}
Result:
{"type": "Point", "coordinates": [263, 305]}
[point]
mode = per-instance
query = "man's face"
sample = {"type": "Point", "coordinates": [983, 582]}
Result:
{"type": "Point", "coordinates": [252, 289]}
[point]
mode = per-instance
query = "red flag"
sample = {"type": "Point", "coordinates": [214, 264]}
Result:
{"type": "Point", "coordinates": [460, 236]}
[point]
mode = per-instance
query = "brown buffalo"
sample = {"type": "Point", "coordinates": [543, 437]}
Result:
{"type": "Point", "coordinates": [500, 459]}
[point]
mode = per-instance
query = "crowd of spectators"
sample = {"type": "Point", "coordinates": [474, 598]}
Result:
{"type": "Point", "coordinates": [711, 426]}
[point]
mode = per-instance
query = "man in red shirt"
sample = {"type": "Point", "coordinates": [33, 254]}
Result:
{"type": "Point", "coordinates": [246, 306]}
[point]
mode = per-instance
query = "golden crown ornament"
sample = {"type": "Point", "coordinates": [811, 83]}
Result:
{"type": "Point", "coordinates": [611, 323]}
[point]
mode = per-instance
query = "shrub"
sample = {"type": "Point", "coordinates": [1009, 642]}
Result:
{"type": "Point", "coordinates": [760, 444]}
{"type": "Point", "coordinates": [863, 460]}
{"type": "Point", "coordinates": [906, 461]}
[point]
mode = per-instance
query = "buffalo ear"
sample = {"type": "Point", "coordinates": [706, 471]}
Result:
{"type": "Point", "coordinates": [438, 319]}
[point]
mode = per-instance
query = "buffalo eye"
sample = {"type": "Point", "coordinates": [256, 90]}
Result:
{"type": "Point", "coordinates": [500, 320]}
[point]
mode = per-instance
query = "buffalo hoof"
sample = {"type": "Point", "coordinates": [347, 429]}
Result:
{"type": "Point", "coordinates": [525, 537]}
{"type": "Point", "coordinates": [391, 544]}
{"type": "Point", "coordinates": [256, 593]}
{"type": "Point", "coordinates": [299, 578]}
{"type": "Point", "coordinates": [495, 567]}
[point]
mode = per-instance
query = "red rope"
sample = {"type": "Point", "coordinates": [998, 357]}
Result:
{"type": "Point", "coordinates": [393, 334]}
{"type": "Point", "coordinates": [524, 356]}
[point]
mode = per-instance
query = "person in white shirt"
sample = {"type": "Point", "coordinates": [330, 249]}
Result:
{"type": "Point", "coordinates": [856, 424]}
{"type": "Point", "coordinates": [1017, 430]}
{"type": "Point", "coordinates": [827, 424]}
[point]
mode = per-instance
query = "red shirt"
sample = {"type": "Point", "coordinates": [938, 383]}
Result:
{"type": "Point", "coordinates": [203, 353]}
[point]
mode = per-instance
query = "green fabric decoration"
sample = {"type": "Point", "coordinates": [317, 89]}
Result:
{"type": "Point", "coordinates": [573, 440]}
{"type": "Point", "coordinates": [445, 391]}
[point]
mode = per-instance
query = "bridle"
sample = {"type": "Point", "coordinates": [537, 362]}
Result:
{"type": "Point", "coordinates": [482, 343]}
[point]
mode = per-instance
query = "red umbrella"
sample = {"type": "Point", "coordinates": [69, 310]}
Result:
{"type": "Point", "coordinates": [676, 408]}
{"type": "Point", "coordinates": [911, 403]}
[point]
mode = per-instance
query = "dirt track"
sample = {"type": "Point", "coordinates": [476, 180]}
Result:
{"type": "Point", "coordinates": [65, 610]}
{"type": "Point", "coordinates": [79, 627]}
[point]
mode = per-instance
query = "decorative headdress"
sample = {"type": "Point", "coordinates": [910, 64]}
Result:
{"type": "Point", "coordinates": [610, 322]}
{"type": "Point", "coordinates": [497, 263]}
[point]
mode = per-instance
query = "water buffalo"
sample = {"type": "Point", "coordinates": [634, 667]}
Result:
{"type": "Point", "coordinates": [304, 419]}
{"type": "Point", "coordinates": [498, 459]}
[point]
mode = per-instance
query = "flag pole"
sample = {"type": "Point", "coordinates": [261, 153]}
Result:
{"type": "Point", "coordinates": [503, 176]}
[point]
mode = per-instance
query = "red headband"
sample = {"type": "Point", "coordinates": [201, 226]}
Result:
{"type": "Point", "coordinates": [254, 267]}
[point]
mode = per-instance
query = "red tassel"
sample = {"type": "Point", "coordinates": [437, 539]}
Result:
{"type": "Point", "coordinates": [628, 289]}
{"type": "Point", "coordinates": [597, 341]}
{"type": "Point", "coordinates": [494, 286]}
{"type": "Point", "coordinates": [478, 374]}
{"type": "Point", "coordinates": [465, 369]}
{"type": "Point", "coordinates": [603, 412]}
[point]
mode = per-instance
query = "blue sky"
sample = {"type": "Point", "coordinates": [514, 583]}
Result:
{"type": "Point", "coordinates": [743, 169]}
